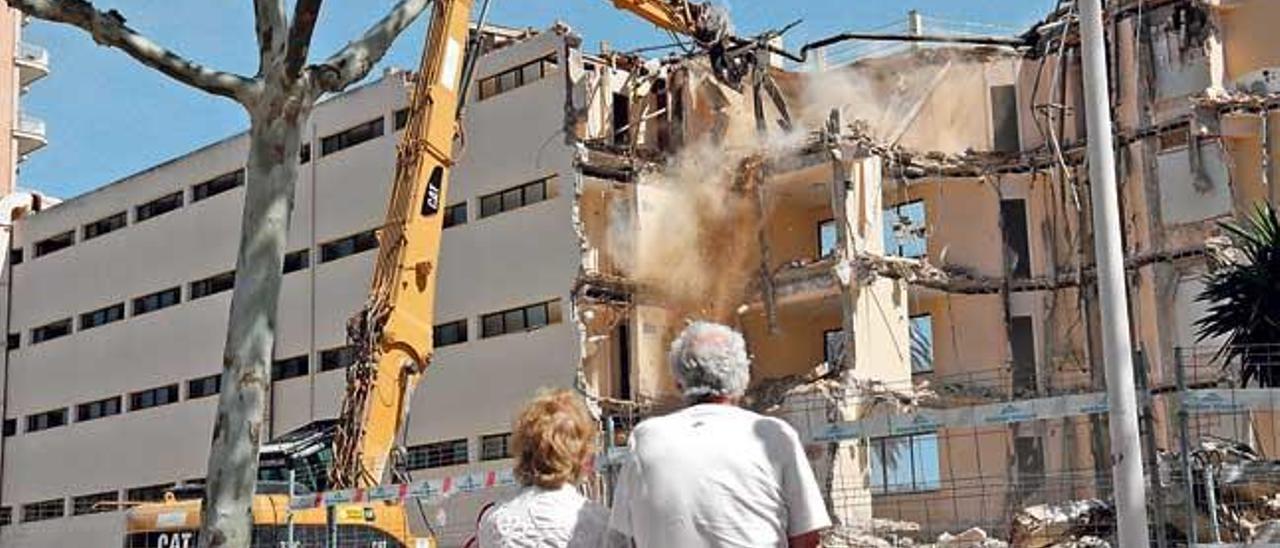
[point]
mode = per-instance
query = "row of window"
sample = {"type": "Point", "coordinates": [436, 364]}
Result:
{"type": "Point", "coordinates": [281, 369]}
{"type": "Point", "coordinates": [142, 212]}
{"type": "Point", "coordinates": [455, 452]}
{"type": "Point", "coordinates": [503, 201]}
{"type": "Point", "coordinates": [921, 334]}
{"type": "Point", "coordinates": [93, 503]}
{"type": "Point", "coordinates": [513, 78]}
{"type": "Point", "coordinates": [515, 320]}
{"type": "Point", "coordinates": [906, 234]}
{"type": "Point", "coordinates": [431, 455]}
{"type": "Point", "coordinates": [222, 183]}
{"type": "Point", "coordinates": [218, 283]}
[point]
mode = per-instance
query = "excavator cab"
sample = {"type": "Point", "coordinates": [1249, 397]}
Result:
{"type": "Point", "coordinates": [307, 451]}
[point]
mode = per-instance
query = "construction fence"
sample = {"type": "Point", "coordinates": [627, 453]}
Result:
{"type": "Point", "coordinates": [976, 460]}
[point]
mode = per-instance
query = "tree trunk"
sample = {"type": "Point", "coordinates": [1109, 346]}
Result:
{"type": "Point", "coordinates": [274, 141]}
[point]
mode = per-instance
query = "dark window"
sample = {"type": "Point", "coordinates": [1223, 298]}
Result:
{"type": "Point", "coordinates": [6, 515]}
{"type": "Point", "coordinates": [154, 397]}
{"type": "Point", "coordinates": [337, 358]}
{"type": "Point", "coordinates": [351, 137]}
{"type": "Point", "coordinates": [43, 510]}
{"type": "Point", "coordinates": [621, 119]}
{"type": "Point", "coordinates": [55, 243]}
{"type": "Point", "coordinates": [455, 215]}
{"type": "Point", "coordinates": [1174, 138]}
{"type": "Point", "coordinates": [98, 409]}
{"type": "Point", "coordinates": [14, 341]}
{"type": "Point", "coordinates": [496, 446]}
{"type": "Point", "coordinates": [149, 493]}
{"type": "Point", "coordinates": [449, 333]}
{"type": "Point", "coordinates": [46, 420]}
{"type": "Point", "coordinates": [513, 198]}
{"type": "Point", "coordinates": [513, 78]}
{"type": "Point", "coordinates": [15, 256]}
{"type": "Point", "coordinates": [1013, 228]}
{"type": "Point", "coordinates": [289, 368]}
{"type": "Point", "coordinates": [519, 319]}
{"type": "Point", "coordinates": [102, 316]}
{"type": "Point", "coordinates": [50, 331]}
{"type": "Point", "coordinates": [157, 300]}
{"type": "Point", "coordinates": [304, 155]}
{"type": "Point", "coordinates": [213, 284]}
{"type": "Point", "coordinates": [204, 386]}
{"type": "Point", "coordinates": [350, 245]}
{"type": "Point", "coordinates": [621, 357]}
{"type": "Point", "coordinates": [1022, 344]}
{"type": "Point", "coordinates": [921, 331]}
{"type": "Point", "coordinates": [400, 119]}
{"type": "Point", "coordinates": [157, 207]}
{"type": "Point", "coordinates": [95, 503]}
{"type": "Point", "coordinates": [827, 238]}
{"type": "Point", "coordinates": [833, 346]}
{"type": "Point", "coordinates": [297, 260]}
{"type": "Point", "coordinates": [903, 464]}
{"type": "Point", "coordinates": [1028, 452]}
{"type": "Point", "coordinates": [436, 455]}
{"type": "Point", "coordinates": [105, 225]}
{"type": "Point", "coordinates": [1004, 118]}
{"type": "Point", "coordinates": [10, 427]}
{"type": "Point", "coordinates": [217, 185]}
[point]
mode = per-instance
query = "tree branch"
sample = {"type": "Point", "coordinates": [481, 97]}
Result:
{"type": "Point", "coordinates": [305, 13]}
{"type": "Point", "coordinates": [108, 29]}
{"type": "Point", "coordinates": [270, 23]}
{"type": "Point", "coordinates": [357, 58]}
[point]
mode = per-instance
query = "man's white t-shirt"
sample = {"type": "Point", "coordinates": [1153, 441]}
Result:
{"type": "Point", "coordinates": [716, 475]}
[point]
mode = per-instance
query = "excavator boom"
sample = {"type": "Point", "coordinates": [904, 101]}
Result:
{"type": "Point", "coordinates": [393, 333]}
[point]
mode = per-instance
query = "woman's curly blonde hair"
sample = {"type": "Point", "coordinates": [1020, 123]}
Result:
{"type": "Point", "coordinates": [552, 438]}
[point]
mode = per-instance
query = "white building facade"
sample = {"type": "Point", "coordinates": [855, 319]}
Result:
{"type": "Point", "coordinates": [117, 300]}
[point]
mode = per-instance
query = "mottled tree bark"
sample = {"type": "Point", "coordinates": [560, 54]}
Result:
{"type": "Point", "coordinates": [278, 99]}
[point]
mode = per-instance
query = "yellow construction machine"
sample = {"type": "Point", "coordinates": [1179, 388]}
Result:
{"type": "Point", "coordinates": [392, 336]}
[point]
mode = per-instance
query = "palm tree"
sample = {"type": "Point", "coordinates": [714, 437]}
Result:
{"type": "Point", "coordinates": [1244, 299]}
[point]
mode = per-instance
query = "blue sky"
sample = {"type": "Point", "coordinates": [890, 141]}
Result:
{"type": "Point", "coordinates": [109, 116]}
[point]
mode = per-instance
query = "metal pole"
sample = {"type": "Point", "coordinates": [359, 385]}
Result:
{"type": "Point", "coordinates": [1148, 426]}
{"type": "Point", "coordinates": [331, 515]}
{"type": "Point", "coordinates": [1117, 349]}
{"type": "Point", "coordinates": [293, 482]}
{"type": "Point", "coordinates": [1184, 445]}
{"type": "Point", "coordinates": [1211, 498]}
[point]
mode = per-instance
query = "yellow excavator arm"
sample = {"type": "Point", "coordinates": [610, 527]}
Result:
{"type": "Point", "coordinates": [392, 335]}
{"type": "Point", "coordinates": [675, 16]}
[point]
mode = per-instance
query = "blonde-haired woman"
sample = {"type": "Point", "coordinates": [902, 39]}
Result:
{"type": "Point", "coordinates": [553, 439]}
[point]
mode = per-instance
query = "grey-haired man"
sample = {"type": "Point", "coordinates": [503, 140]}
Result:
{"type": "Point", "coordinates": [714, 474]}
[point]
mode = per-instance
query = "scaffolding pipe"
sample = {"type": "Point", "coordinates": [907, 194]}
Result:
{"type": "Point", "coordinates": [293, 485]}
{"type": "Point", "coordinates": [1211, 498]}
{"type": "Point", "coordinates": [1117, 348]}
{"type": "Point", "coordinates": [1184, 444]}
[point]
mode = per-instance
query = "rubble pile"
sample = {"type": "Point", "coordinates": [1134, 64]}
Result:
{"type": "Point", "coordinates": [971, 538]}
{"type": "Point", "coordinates": [1246, 493]}
{"type": "Point", "coordinates": [1063, 524]}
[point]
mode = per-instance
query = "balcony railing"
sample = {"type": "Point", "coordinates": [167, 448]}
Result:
{"type": "Point", "coordinates": [30, 133]}
{"type": "Point", "coordinates": [33, 63]}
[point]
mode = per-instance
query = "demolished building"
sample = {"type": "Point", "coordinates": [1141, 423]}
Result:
{"type": "Point", "coordinates": [933, 239]}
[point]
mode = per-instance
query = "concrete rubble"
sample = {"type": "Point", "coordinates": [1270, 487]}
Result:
{"type": "Point", "coordinates": [1062, 524]}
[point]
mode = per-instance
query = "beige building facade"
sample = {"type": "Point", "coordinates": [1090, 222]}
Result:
{"type": "Point", "coordinates": [928, 250]}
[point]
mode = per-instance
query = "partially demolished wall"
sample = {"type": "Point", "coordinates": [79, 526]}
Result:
{"type": "Point", "coordinates": [999, 261]}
